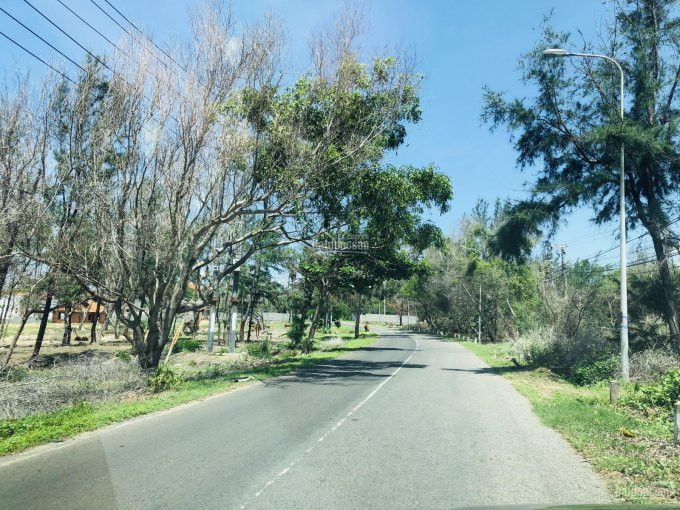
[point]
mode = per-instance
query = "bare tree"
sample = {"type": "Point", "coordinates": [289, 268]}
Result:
{"type": "Point", "coordinates": [196, 157]}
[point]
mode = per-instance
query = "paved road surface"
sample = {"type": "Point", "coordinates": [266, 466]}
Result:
{"type": "Point", "coordinates": [410, 422]}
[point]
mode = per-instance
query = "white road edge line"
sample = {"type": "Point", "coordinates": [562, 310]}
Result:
{"type": "Point", "coordinates": [337, 425]}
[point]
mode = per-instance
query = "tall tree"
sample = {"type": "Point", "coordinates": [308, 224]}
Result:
{"type": "Point", "coordinates": [570, 131]}
{"type": "Point", "coordinates": [160, 183]}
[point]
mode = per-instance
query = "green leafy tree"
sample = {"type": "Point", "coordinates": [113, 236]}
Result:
{"type": "Point", "coordinates": [571, 133]}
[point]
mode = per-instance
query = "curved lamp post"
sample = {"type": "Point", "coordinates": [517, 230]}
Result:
{"type": "Point", "coordinates": [558, 52]}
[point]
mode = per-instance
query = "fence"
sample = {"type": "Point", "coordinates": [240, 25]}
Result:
{"type": "Point", "coordinates": [370, 317]}
{"type": "Point", "coordinates": [406, 320]}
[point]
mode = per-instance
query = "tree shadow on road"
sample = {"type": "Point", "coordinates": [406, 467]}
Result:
{"type": "Point", "coordinates": [346, 349]}
{"type": "Point", "coordinates": [492, 370]}
{"type": "Point", "coordinates": [342, 372]}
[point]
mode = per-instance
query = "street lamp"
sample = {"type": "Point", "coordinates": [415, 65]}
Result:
{"type": "Point", "coordinates": [558, 52]}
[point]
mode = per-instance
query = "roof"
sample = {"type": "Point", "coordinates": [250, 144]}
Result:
{"type": "Point", "coordinates": [91, 306]}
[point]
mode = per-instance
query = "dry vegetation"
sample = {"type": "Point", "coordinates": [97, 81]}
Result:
{"type": "Point", "coordinates": [106, 371]}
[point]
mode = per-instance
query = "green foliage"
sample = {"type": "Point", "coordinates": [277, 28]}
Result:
{"type": "Point", "coordinates": [663, 393]}
{"type": "Point", "coordinates": [262, 349]}
{"type": "Point", "coordinates": [124, 355]}
{"type": "Point", "coordinates": [297, 330]}
{"type": "Point", "coordinates": [165, 378]}
{"type": "Point", "coordinates": [591, 372]}
{"type": "Point", "coordinates": [570, 131]}
{"type": "Point", "coordinates": [187, 345]}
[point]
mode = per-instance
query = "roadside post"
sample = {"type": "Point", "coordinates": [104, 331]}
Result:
{"type": "Point", "coordinates": [213, 312]}
{"type": "Point", "coordinates": [676, 421]}
{"type": "Point", "coordinates": [614, 391]}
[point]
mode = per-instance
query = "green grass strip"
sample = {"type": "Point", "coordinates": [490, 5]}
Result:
{"type": "Point", "coordinates": [29, 431]}
{"type": "Point", "coordinates": [633, 453]}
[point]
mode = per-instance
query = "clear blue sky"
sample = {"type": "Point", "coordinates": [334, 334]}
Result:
{"type": "Point", "coordinates": [461, 46]}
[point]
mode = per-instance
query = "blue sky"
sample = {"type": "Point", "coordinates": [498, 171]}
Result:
{"type": "Point", "coordinates": [461, 46]}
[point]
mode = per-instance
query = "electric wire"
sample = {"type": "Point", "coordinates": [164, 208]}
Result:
{"type": "Point", "coordinates": [37, 58]}
{"type": "Point", "coordinates": [67, 35]}
{"type": "Point", "coordinates": [44, 40]}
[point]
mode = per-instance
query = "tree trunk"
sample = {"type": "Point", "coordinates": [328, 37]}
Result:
{"type": "Point", "coordinates": [249, 315]}
{"type": "Point", "coordinates": [24, 319]}
{"type": "Point", "coordinates": [83, 316]}
{"type": "Point", "coordinates": [5, 258]}
{"type": "Point", "coordinates": [668, 289]}
{"type": "Point", "coordinates": [312, 325]}
{"type": "Point", "coordinates": [43, 326]}
{"type": "Point", "coordinates": [116, 332]}
{"type": "Point", "coordinates": [357, 322]}
{"type": "Point", "coordinates": [66, 339]}
{"type": "Point", "coordinates": [95, 320]}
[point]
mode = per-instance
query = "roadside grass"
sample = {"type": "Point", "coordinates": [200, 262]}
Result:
{"type": "Point", "coordinates": [20, 434]}
{"type": "Point", "coordinates": [633, 451]}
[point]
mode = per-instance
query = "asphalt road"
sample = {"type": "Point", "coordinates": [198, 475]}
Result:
{"type": "Point", "coordinates": [409, 422]}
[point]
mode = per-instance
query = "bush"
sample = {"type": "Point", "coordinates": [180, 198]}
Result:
{"type": "Point", "coordinates": [583, 358]}
{"type": "Point", "coordinates": [86, 378]}
{"type": "Point", "coordinates": [186, 345]}
{"type": "Point", "coordinates": [587, 372]}
{"type": "Point", "coordinates": [664, 393]}
{"type": "Point", "coordinates": [164, 378]}
{"type": "Point", "coordinates": [261, 349]}
{"type": "Point", "coordinates": [651, 364]}
{"type": "Point", "coordinates": [124, 355]}
{"type": "Point", "coordinates": [297, 330]}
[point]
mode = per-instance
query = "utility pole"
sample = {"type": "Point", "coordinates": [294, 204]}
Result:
{"type": "Point", "coordinates": [213, 312]}
{"type": "Point", "coordinates": [563, 268]}
{"type": "Point", "coordinates": [234, 292]}
{"type": "Point", "coordinates": [479, 323]}
{"type": "Point", "coordinates": [234, 309]}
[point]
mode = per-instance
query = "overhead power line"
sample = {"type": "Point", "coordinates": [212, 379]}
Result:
{"type": "Point", "coordinates": [110, 17]}
{"type": "Point", "coordinates": [598, 255]}
{"type": "Point", "coordinates": [67, 34]}
{"type": "Point", "coordinates": [43, 40]}
{"type": "Point", "coordinates": [92, 28]}
{"type": "Point", "coordinates": [145, 36]}
{"type": "Point", "coordinates": [37, 57]}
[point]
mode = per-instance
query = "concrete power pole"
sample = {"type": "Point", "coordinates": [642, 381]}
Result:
{"type": "Point", "coordinates": [563, 267]}
{"type": "Point", "coordinates": [479, 323]}
{"type": "Point", "coordinates": [234, 293]}
{"type": "Point", "coordinates": [234, 310]}
{"type": "Point", "coordinates": [213, 313]}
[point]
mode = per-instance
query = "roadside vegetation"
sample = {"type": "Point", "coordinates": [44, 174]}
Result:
{"type": "Point", "coordinates": [548, 322]}
{"type": "Point", "coordinates": [91, 390]}
{"type": "Point", "coordinates": [630, 443]}
{"type": "Point", "coordinates": [157, 205]}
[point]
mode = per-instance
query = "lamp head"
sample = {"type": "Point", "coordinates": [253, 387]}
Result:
{"type": "Point", "coordinates": [555, 52]}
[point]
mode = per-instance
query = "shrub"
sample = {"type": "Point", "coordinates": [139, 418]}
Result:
{"type": "Point", "coordinates": [583, 358]}
{"type": "Point", "coordinates": [590, 372]}
{"type": "Point", "coordinates": [164, 378]}
{"type": "Point", "coordinates": [650, 364]}
{"type": "Point", "coordinates": [297, 330]}
{"type": "Point", "coordinates": [186, 345]}
{"type": "Point", "coordinates": [86, 378]}
{"type": "Point", "coordinates": [261, 349]}
{"type": "Point", "coordinates": [663, 393]}
{"type": "Point", "coordinates": [124, 355]}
